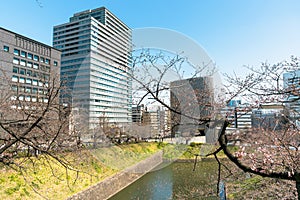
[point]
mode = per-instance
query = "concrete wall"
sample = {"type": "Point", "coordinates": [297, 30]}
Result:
{"type": "Point", "coordinates": [114, 184]}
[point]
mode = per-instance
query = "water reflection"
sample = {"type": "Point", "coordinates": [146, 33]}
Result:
{"type": "Point", "coordinates": [175, 181]}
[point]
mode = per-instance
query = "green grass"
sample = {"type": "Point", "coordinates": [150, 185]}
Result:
{"type": "Point", "coordinates": [45, 177]}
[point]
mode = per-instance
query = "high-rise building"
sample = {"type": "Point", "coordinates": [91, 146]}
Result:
{"type": "Point", "coordinates": [95, 65]}
{"type": "Point", "coordinates": [29, 66]}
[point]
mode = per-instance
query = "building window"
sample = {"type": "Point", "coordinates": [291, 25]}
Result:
{"type": "Point", "coordinates": [5, 48]}
{"type": "Point", "coordinates": [16, 70]}
{"type": "Point", "coordinates": [47, 61]}
{"type": "Point", "coordinates": [47, 68]}
{"type": "Point", "coordinates": [34, 90]}
{"type": "Point", "coordinates": [27, 98]}
{"type": "Point", "coordinates": [35, 66]}
{"type": "Point", "coordinates": [29, 64]}
{"type": "Point", "coordinates": [22, 80]}
{"type": "Point", "coordinates": [28, 72]}
{"type": "Point", "coordinates": [23, 54]}
{"type": "Point", "coordinates": [29, 81]}
{"type": "Point", "coordinates": [21, 98]}
{"type": "Point", "coordinates": [16, 52]}
{"type": "Point", "coordinates": [22, 71]}
{"type": "Point", "coordinates": [16, 61]}
{"type": "Point", "coordinates": [14, 88]}
{"type": "Point", "coordinates": [28, 90]}
{"type": "Point", "coordinates": [33, 99]}
{"type": "Point", "coordinates": [42, 59]}
{"type": "Point", "coordinates": [36, 58]}
{"type": "Point", "coordinates": [55, 63]}
{"type": "Point", "coordinates": [23, 63]}
{"type": "Point", "coordinates": [29, 56]}
{"type": "Point", "coordinates": [15, 78]}
{"type": "Point", "coordinates": [34, 82]}
{"type": "Point", "coordinates": [21, 89]}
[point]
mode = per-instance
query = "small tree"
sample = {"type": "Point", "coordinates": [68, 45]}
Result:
{"type": "Point", "coordinates": [32, 127]}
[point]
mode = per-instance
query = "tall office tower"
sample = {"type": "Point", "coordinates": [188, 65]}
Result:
{"type": "Point", "coordinates": [29, 66]}
{"type": "Point", "coordinates": [95, 65]}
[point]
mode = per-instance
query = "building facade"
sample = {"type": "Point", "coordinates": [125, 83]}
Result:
{"type": "Point", "coordinates": [30, 67]}
{"type": "Point", "coordinates": [291, 83]}
{"type": "Point", "coordinates": [239, 115]}
{"type": "Point", "coordinates": [270, 116]}
{"type": "Point", "coordinates": [137, 111]}
{"type": "Point", "coordinates": [192, 99]}
{"type": "Point", "coordinates": [95, 65]}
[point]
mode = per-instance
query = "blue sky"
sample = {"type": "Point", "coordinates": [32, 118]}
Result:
{"type": "Point", "coordinates": [233, 32]}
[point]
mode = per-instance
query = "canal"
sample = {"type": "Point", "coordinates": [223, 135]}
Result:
{"type": "Point", "coordinates": [175, 181]}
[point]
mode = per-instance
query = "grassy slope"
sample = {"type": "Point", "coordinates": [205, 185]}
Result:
{"type": "Point", "coordinates": [52, 181]}
{"type": "Point", "coordinates": [48, 178]}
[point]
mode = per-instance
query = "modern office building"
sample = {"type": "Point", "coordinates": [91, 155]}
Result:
{"type": "Point", "coordinates": [95, 65]}
{"type": "Point", "coordinates": [192, 99]}
{"type": "Point", "coordinates": [137, 111]}
{"type": "Point", "coordinates": [29, 67]}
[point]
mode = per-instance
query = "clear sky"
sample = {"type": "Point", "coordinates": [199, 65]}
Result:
{"type": "Point", "coordinates": [233, 32]}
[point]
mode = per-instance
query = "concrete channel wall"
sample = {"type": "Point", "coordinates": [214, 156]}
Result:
{"type": "Point", "coordinates": [112, 185]}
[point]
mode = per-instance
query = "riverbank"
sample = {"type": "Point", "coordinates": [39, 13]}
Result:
{"type": "Point", "coordinates": [44, 178]}
{"type": "Point", "coordinates": [112, 185]}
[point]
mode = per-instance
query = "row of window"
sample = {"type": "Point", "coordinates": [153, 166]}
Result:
{"type": "Point", "coordinates": [29, 81]}
{"type": "Point", "coordinates": [29, 98]}
{"type": "Point", "coordinates": [70, 25]}
{"type": "Point", "coordinates": [31, 90]}
{"type": "Point", "coordinates": [109, 93]}
{"type": "Point", "coordinates": [25, 63]}
{"type": "Point", "coordinates": [31, 73]}
{"type": "Point", "coordinates": [30, 56]}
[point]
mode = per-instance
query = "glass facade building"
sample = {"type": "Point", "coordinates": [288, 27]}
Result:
{"type": "Point", "coordinates": [95, 65]}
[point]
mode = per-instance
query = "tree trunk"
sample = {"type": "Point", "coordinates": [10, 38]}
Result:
{"type": "Point", "coordinates": [298, 188]}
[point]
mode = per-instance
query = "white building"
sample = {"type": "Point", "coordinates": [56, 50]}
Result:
{"type": "Point", "coordinates": [238, 114]}
{"type": "Point", "coordinates": [95, 65]}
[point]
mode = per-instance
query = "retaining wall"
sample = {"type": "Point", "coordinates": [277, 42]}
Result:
{"type": "Point", "coordinates": [112, 185]}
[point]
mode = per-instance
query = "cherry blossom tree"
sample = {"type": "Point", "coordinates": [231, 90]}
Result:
{"type": "Point", "coordinates": [266, 150]}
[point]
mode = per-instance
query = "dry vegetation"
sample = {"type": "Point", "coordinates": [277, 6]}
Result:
{"type": "Point", "coordinates": [45, 178]}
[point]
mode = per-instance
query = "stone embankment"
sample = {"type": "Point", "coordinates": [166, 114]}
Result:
{"type": "Point", "coordinates": [112, 185]}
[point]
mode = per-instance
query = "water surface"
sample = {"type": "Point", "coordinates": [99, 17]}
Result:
{"type": "Point", "coordinates": [174, 181]}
